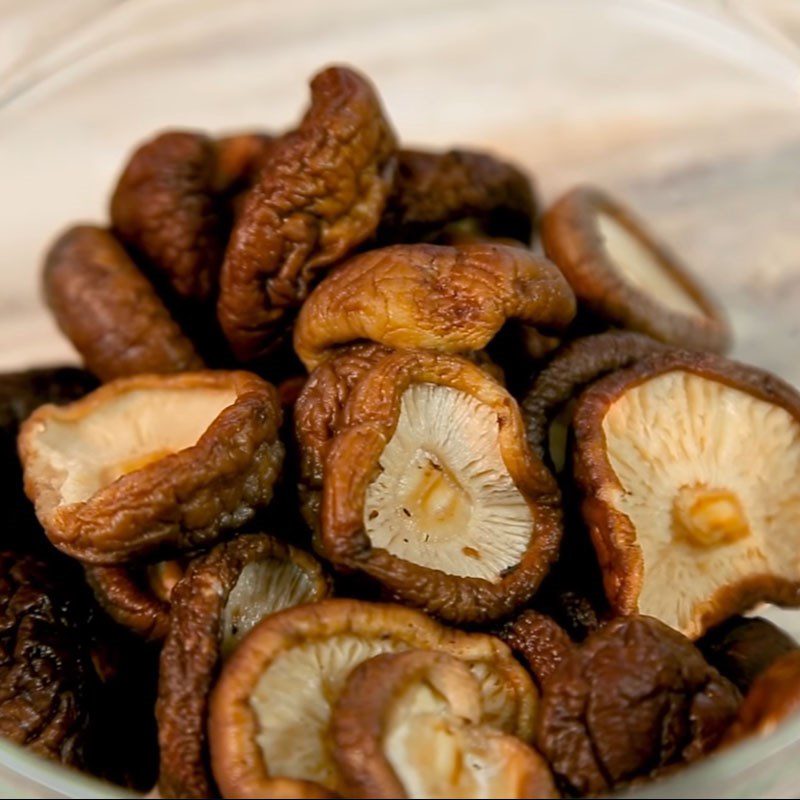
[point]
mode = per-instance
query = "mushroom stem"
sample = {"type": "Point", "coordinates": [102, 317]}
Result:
{"type": "Point", "coordinates": [708, 517]}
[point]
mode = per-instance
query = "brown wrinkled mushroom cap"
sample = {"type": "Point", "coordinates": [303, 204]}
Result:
{"type": "Point", "coordinates": [410, 725]}
{"type": "Point", "coordinates": [634, 699]}
{"type": "Point", "coordinates": [450, 299]}
{"type": "Point", "coordinates": [164, 207]}
{"type": "Point", "coordinates": [541, 642]}
{"type": "Point", "coordinates": [137, 598]}
{"type": "Point", "coordinates": [688, 464]}
{"type": "Point", "coordinates": [577, 364]}
{"type": "Point", "coordinates": [109, 310]}
{"type": "Point", "coordinates": [430, 488]}
{"type": "Point", "coordinates": [48, 686]}
{"type": "Point", "coordinates": [223, 595]}
{"type": "Point", "coordinates": [318, 416]}
{"type": "Point", "coordinates": [624, 275]}
{"type": "Point", "coordinates": [434, 190]}
{"type": "Point", "coordinates": [741, 648]}
{"type": "Point", "coordinates": [773, 697]}
{"type": "Point", "coordinates": [193, 456]}
{"type": "Point", "coordinates": [271, 706]}
{"type": "Point", "coordinates": [320, 194]}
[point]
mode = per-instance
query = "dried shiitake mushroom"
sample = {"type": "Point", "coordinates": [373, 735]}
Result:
{"type": "Point", "coordinates": [170, 203]}
{"type": "Point", "coordinates": [48, 686]}
{"type": "Point", "coordinates": [271, 707]}
{"type": "Point", "coordinates": [318, 416]}
{"type": "Point", "coordinates": [741, 648]}
{"type": "Point", "coordinates": [137, 597]}
{"type": "Point", "coordinates": [411, 725]}
{"type": "Point", "coordinates": [539, 640]}
{"type": "Point", "coordinates": [688, 464]}
{"type": "Point", "coordinates": [109, 310]}
{"type": "Point", "coordinates": [625, 276]}
{"type": "Point", "coordinates": [429, 487]}
{"type": "Point", "coordinates": [451, 299]}
{"type": "Point", "coordinates": [635, 698]}
{"type": "Point", "coordinates": [773, 697]}
{"type": "Point", "coordinates": [434, 190]}
{"type": "Point", "coordinates": [320, 194]}
{"type": "Point", "coordinates": [221, 598]}
{"type": "Point", "coordinates": [164, 207]}
{"type": "Point", "coordinates": [153, 463]}
{"type": "Point", "coordinates": [547, 407]}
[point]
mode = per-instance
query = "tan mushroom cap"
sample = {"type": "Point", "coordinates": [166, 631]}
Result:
{"type": "Point", "coordinates": [272, 704]}
{"type": "Point", "coordinates": [689, 464]}
{"type": "Point", "coordinates": [411, 725]}
{"type": "Point", "coordinates": [624, 275]}
{"type": "Point", "coordinates": [430, 487]}
{"type": "Point", "coordinates": [432, 297]}
{"type": "Point", "coordinates": [109, 310]}
{"type": "Point", "coordinates": [138, 599]}
{"type": "Point", "coordinates": [320, 194]}
{"type": "Point", "coordinates": [152, 464]}
{"type": "Point", "coordinates": [223, 595]}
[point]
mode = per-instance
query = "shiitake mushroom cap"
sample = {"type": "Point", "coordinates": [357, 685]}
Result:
{"type": "Point", "coordinates": [623, 274]}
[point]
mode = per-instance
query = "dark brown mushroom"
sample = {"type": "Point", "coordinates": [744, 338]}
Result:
{"type": "Point", "coordinates": [635, 699]}
{"type": "Point", "coordinates": [411, 725]}
{"type": "Point", "coordinates": [222, 596]}
{"type": "Point", "coordinates": [449, 299]}
{"type": "Point", "coordinates": [271, 707]}
{"type": "Point", "coordinates": [430, 488]}
{"type": "Point", "coordinates": [320, 195]}
{"type": "Point", "coordinates": [164, 207]}
{"type": "Point", "coordinates": [547, 407]}
{"type": "Point", "coordinates": [624, 275]}
{"type": "Point", "coordinates": [171, 203]}
{"type": "Point", "coordinates": [136, 597]}
{"type": "Point", "coordinates": [109, 310]}
{"type": "Point", "coordinates": [540, 641]}
{"type": "Point", "coordinates": [741, 648]}
{"type": "Point", "coordinates": [670, 456]}
{"type": "Point", "coordinates": [200, 457]}
{"type": "Point", "coordinates": [48, 686]}
{"type": "Point", "coordinates": [773, 698]}
{"type": "Point", "coordinates": [435, 190]}
{"type": "Point", "coordinates": [319, 413]}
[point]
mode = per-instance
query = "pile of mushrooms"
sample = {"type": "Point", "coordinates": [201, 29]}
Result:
{"type": "Point", "coordinates": [418, 492]}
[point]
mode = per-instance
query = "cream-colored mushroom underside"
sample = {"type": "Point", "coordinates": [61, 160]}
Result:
{"type": "Point", "coordinates": [263, 587]}
{"type": "Point", "coordinates": [82, 456]}
{"type": "Point", "coordinates": [293, 698]}
{"type": "Point", "coordinates": [679, 429]}
{"type": "Point", "coordinates": [444, 498]}
{"type": "Point", "coordinates": [436, 754]}
{"type": "Point", "coordinates": [640, 267]}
